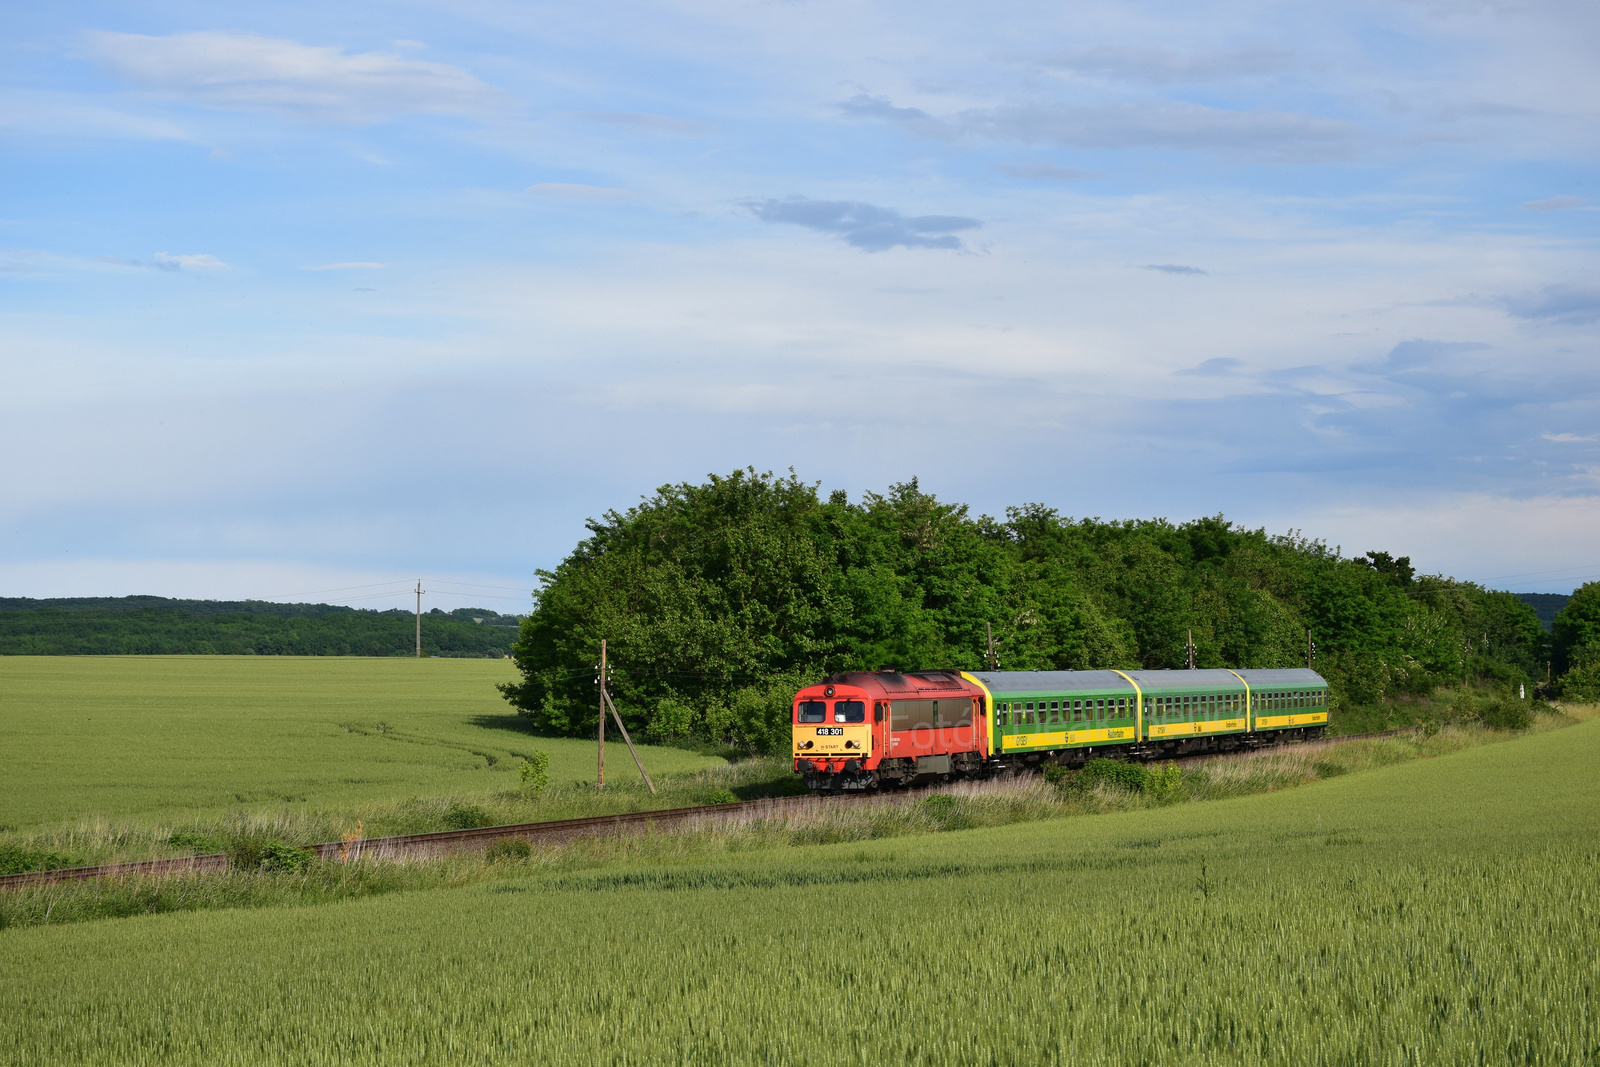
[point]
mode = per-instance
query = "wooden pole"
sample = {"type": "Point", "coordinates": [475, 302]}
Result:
{"type": "Point", "coordinates": [600, 773]}
{"type": "Point", "coordinates": [419, 618]}
{"type": "Point", "coordinates": [631, 750]}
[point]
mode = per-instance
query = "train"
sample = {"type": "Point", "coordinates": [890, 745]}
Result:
{"type": "Point", "coordinates": [866, 730]}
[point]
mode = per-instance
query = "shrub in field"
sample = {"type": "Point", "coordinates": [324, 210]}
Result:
{"type": "Point", "coordinates": [197, 843]}
{"type": "Point", "coordinates": [1508, 713]}
{"type": "Point", "coordinates": [15, 859]}
{"type": "Point", "coordinates": [253, 853]}
{"type": "Point", "coordinates": [535, 773]}
{"type": "Point", "coordinates": [467, 817]}
{"type": "Point", "coordinates": [721, 796]}
{"type": "Point", "coordinates": [277, 856]}
{"type": "Point", "coordinates": [1128, 775]}
{"type": "Point", "coordinates": [673, 720]}
{"type": "Point", "coordinates": [511, 851]}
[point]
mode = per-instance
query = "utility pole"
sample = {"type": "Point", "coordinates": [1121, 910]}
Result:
{"type": "Point", "coordinates": [1191, 649]}
{"type": "Point", "coordinates": [1311, 650]}
{"type": "Point", "coordinates": [988, 628]}
{"type": "Point", "coordinates": [419, 618]}
{"type": "Point", "coordinates": [600, 776]}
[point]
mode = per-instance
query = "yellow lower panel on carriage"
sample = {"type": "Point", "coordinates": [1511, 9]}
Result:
{"type": "Point", "coordinates": [1011, 742]}
{"type": "Point", "coordinates": [1274, 722]}
{"type": "Point", "coordinates": [1189, 729]}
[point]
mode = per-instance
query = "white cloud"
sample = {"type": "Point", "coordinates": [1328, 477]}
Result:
{"type": "Point", "coordinates": [1568, 438]}
{"type": "Point", "coordinates": [192, 261]}
{"type": "Point", "coordinates": [345, 266]}
{"type": "Point", "coordinates": [1162, 66]}
{"type": "Point", "coordinates": [1555, 203]}
{"type": "Point", "coordinates": [308, 82]}
{"type": "Point", "coordinates": [1270, 136]}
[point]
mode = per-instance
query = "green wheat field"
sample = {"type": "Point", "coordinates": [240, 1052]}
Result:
{"type": "Point", "coordinates": [173, 738]}
{"type": "Point", "coordinates": [1380, 903]}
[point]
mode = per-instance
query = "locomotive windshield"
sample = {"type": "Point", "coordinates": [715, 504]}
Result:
{"type": "Point", "coordinates": [813, 711]}
{"type": "Point", "coordinates": [849, 711]}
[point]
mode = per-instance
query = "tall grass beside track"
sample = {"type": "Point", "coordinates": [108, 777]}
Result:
{"type": "Point", "coordinates": [1440, 911]}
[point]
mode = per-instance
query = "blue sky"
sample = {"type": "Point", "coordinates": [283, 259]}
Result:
{"type": "Point", "coordinates": [322, 297]}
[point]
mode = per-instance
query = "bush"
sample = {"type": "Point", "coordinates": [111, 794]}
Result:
{"type": "Point", "coordinates": [249, 853]}
{"type": "Point", "coordinates": [535, 772]}
{"type": "Point", "coordinates": [514, 850]}
{"type": "Point", "coordinates": [722, 796]}
{"type": "Point", "coordinates": [14, 859]}
{"type": "Point", "coordinates": [1581, 684]}
{"type": "Point", "coordinates": [1508, 713]}
{"type": "Point", "coordinates": [467, 817]}
{"type": "Point", "coordinates": [673, 720]}
{"type": "Point", "coordinates": [277, 856]}
{"type": "Point", "coordinates": [198, 843]}
{"type": "Point", "coordinates": [1116, 772]}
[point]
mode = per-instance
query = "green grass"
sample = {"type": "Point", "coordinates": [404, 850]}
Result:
{"type": "Point", "coordinates": [112, 742]}
{"type": "Point", "coordinates": [1432, 911]}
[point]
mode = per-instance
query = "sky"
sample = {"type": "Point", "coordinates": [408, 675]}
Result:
{"type": "Point", "coordinates": [307, 301]}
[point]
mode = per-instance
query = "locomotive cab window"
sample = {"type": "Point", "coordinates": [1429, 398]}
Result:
{"type": "Point", "coordinates": [813, 711]}
{"type": "Point", "coordinates": [850, 711]}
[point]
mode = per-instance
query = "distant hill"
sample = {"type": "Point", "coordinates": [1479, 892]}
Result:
{"type": "Point", "coordinates": [1544, 605]}
{"type": "Point", "coordinates": [153, 625]}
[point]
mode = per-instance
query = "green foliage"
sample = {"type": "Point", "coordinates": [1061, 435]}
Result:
{"type": "Point", "coordinates": [1508, 713]}
{"type": "Point", "coordinates": [535, 773]}
{"type": "Point", "coordinates": [198, 843]}
{"type": "Point", "coordinates": [253, 852]}
{"type": "Point", "coordinates": [467, 817]}
{"type": "Point", "coordinates": [514, 850]}
{"type": "Point", "coordinates": [19, 859]}
{"type": "Point", "coordinates": [719, 600]}
{"type": "Point", "coordinates": [721, 796]}
{"type": "Point", "coordinates": [1575, 644]}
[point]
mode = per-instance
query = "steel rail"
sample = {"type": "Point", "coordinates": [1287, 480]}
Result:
{"type": "Point", "coordinates": [445, 841]}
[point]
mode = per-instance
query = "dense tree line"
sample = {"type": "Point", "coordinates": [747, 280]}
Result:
{"type": "Point", "coordinates": [136, 630]}
{"type": "Point", "coordinates": [719, 599]}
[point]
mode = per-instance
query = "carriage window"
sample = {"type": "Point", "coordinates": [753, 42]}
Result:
{"type": "Point", "coordinates": [877, 712]}
{"type": "Point", "coordinates": [813, 711]}
{"type": "Point", "coordinates": [850, 711]}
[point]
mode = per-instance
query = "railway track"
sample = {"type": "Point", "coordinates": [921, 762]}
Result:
{"type": "Point", "coordinates": [418, 846]}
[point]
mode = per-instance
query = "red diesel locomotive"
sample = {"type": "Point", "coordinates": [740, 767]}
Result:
{"type": "Point", "coordinates": [886, 728]}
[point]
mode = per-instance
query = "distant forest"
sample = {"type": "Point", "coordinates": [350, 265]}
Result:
{"type": "Point", "coordinates": [718, 599]}
{"type": "Point", "coordinates": [152, 625]}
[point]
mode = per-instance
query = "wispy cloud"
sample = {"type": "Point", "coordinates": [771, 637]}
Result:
{"type": "Point", "coordinates": [309, 82]}
{"type": "Point", "coordinates": [190, 261]}
{"type": "Point", "coordinates": [1163, 66]}
{"type": "Point", "coordinates": [866, 226]}
{"type": "Point", "coordinates": [1212, 368]}
{"type": "Point", "coordinates": [1044, 172]}
{"type": "Point", "coordinates": [1570, 305]}
{"type": "Point", "coordinates": [345, 266]}
{"type": "Point", "coordinates": [1269, 136]}
{"type": "Point", "coordinates": [647, 122]}
{"type": "Point", "coordinates": [1568, 438]}
{"type": "Point", "coordinates": [576, 191]}
{"type": "Point", "coordinates": [1554, 203]}
{"type": "Point", "coordinates": [1172, 268]}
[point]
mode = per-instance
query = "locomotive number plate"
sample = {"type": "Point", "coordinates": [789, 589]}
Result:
{"type": "Point", "coordinates": [830, 731]}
